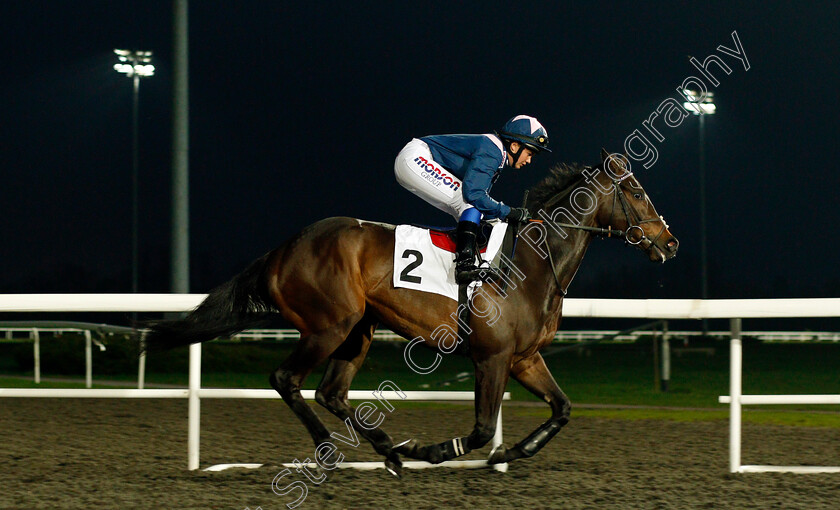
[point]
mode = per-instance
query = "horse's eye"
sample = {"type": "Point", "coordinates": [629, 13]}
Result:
{"type": "Point", "coordinates": [637, 196]}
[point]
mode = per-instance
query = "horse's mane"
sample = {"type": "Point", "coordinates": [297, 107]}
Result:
{"type": "Point", "coordinates": [559, 178]}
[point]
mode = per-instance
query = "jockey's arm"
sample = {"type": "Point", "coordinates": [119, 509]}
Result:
{"type": "Point", "coordinates": [477, 181]}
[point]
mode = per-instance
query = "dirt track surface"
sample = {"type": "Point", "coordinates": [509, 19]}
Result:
{"type": "Point", "coordinates": [64, 453]}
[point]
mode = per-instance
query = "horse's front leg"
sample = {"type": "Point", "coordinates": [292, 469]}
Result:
{"type": "Point", "coordinates": [491, 377]}
{"type": "Point", "coordinates": [532, 373]}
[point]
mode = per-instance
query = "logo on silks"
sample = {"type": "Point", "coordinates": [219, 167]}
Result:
{"type": "Point", "coordinates": [436, 175]}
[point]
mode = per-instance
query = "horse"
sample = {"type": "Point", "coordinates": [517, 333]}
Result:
{"type": "Point", "coordinates": [333, 282]}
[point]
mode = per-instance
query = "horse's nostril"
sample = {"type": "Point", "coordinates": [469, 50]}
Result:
{"type": "Point", "coordinates": [673, 244]}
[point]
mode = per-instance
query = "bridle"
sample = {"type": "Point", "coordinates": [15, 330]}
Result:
{"type": "Point", "coordinates": [625, 208]}
{"type": "Point", "coordinates": [633, 222]}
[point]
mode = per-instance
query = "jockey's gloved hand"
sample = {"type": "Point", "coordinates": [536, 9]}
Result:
{"type": "Point", "coordinates": [518, 214]}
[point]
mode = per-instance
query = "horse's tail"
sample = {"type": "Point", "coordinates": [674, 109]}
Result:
{"type": "Point", "coordinates": [242, 303]}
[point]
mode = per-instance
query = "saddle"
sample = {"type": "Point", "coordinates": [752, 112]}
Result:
{"type": "Point", "coordinates": [444, 237]}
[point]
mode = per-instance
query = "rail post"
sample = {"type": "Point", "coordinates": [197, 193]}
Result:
{"type": "Point", "coordinates": [194, 407]}
{"type": "Point", "coordinates": [141, 363]}
{"type": "Point", "coordinates": [657, 365]}
{"type": "Point", "coordinates": [88, 360]}
{"type": "Point", "coordinates": [666, 357]}
{"type": "Point", "coordinates": [735, 354]}
{"type": "Point", "coordinates": [36, 347]}
{"type": "Point", "coordinates": [497, 440]}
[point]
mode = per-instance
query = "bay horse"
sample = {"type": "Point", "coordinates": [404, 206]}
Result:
{"type": "Point", "coordinates": [333, 282]}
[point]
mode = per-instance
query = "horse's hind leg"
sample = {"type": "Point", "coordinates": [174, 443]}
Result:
{"type": "Point", "coordinates": [532, 373]}
{"type": "Point", "coordinates": [310, 351]}
{"type": "Point", "coordinates": [491, 375]}
{"type": "Point", "coordinates": [332, 392]}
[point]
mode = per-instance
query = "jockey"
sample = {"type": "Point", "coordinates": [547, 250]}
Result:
{"type": "Point", "coordinates": [455, 172]}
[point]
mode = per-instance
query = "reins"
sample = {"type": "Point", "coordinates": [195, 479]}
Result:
{"type": "Point", "coordinates": [609, 232]}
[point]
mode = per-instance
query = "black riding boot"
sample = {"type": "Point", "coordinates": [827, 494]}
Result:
{"type": "Point", "coordinates": [465, 268]}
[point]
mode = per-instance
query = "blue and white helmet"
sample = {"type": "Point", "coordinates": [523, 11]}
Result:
{"type": "Point", "coordinates": [526, 130]}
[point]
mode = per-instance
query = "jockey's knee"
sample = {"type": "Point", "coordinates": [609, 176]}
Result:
{"type": "Point", "coordinates": [472, 215]}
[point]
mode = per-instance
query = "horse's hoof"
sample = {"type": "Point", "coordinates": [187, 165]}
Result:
{"type": "Point", "coordinates": [497, 455]}
{"type": "Point", "coordinates": [407, 447]}
{"type": "Point", "coordinates": [393, 465]}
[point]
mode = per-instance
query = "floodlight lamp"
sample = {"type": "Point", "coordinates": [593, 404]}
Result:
{"type": "Point", "coordinates": [700, 108]}
{"type": "Point", "coordinates": [124, 68]}
{"type": "Point", "coordinates": [144, 70]}
{"type": "Point", "coordinates": [697, 106]}
{"type": "Point", "coordinates": [136, 63]}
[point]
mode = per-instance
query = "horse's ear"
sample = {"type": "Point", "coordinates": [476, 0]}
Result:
{"type": "Point", "coordinates": [604, 154]}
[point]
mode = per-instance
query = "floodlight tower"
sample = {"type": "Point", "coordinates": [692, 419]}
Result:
{"type": "Point", "coordinates": [135, 65]}
{"type": "Point", "coordinates": [702, 106]}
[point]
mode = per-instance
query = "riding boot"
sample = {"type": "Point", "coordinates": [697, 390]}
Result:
{"type": "Point", "coordinates": [465, 268]}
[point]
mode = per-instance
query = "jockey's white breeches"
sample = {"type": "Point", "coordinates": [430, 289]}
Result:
{"type": "Point", "coordinates": [417, 172]}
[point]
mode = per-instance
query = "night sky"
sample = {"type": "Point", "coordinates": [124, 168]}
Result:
{"type": "Point", "coordinates": [297, 111]}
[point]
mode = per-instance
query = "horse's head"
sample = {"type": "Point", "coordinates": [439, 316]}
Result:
{"type": "Point", "coordinates": [625, 205]}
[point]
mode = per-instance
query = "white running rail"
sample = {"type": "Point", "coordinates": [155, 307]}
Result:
{"type": "Point", "coordinates": [734, 309]}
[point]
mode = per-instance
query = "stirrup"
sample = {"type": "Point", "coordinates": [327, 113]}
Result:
{"type": "Point", "coordinates": [489, 274]}
{"type": "Point", "coordinates": [476, 274]}
{"type": "Point", "coordinates": [467, 275]}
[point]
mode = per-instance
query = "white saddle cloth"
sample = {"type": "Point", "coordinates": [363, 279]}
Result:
{"type": "Point", "coordinates": [421, 265]}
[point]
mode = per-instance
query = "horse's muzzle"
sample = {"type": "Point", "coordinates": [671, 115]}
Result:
{"type": "Point", "coordinates": [672, 246]}
{"type": "Point", "coordinates": [662, 251]}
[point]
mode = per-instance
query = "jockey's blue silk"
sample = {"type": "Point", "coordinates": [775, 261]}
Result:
{"type": "Point", "coordinates": [477, 160]}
